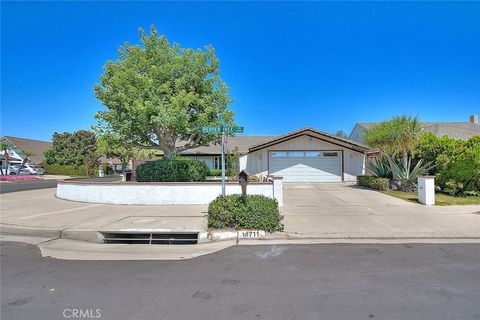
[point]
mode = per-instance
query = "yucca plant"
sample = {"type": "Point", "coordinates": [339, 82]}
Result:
{"type": "Point", "coordinates": [405, 174]}
{"type": "Point", "coordinates": [380, 167]}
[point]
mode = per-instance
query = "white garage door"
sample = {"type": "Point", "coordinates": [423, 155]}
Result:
{"type": "Point", "coordinates": [306, 165]}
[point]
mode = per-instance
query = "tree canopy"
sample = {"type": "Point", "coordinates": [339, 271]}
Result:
{"type": "Point", "coordinates": [111, 146]}
{"type": "Point", "coordinates": [398, 134]}
{"type": "Point", "coordinates": [77, 148]}
{"type": "Point", "coordinates": [158, 95]}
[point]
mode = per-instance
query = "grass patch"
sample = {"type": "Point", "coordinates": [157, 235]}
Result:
{"type": "Point", "coordinates": [441, 199]}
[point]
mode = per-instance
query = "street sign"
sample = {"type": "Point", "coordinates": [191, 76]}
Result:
{"type": "Point", "coordinates": [212, 129]}
{"type": "Point", "coordinates": [221, 129]}
{"type": "Point", "coordinates": [233, 129]}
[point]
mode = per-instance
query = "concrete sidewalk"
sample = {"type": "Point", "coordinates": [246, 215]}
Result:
{"type": "Point", "coordinates": [39, 213]}
{"type": "Point", "coordinates": [322, 212]}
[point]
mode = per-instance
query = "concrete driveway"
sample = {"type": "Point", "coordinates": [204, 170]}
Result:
{"type": "Point", "coordinates": [345, 210]}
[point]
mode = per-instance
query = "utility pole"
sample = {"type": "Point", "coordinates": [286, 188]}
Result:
{"type": "Point", "coordinates": [222, 130]}
{"type": "Point", "coordinates": [223, 158]}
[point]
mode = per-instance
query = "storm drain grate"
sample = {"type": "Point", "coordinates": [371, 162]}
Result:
{"type": "Point", "coordinates": [149, 238]}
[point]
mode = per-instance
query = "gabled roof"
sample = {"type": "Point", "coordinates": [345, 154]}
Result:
{"type": "Point", "coordinates": [36, 147]}
{"type": "Point", "coordinates": [242, 142]}
{"type": "Point", "coordinates": [347, 143]}
{"type": "Point", "coordinates": [456, 130]}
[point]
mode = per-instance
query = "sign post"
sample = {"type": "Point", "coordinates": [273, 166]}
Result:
{"type": "Point", "coordinates": [222, 129]}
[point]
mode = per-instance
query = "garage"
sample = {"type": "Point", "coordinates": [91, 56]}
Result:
{"type": "Point", "coordinates": [307, 166]}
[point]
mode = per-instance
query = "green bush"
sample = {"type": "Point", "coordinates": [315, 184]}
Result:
{"type": "Point", "coordinates": [65, 169]}
{"type": "Point", "coordinates": [460, 166]}
{"type": "Point", "coordinates": [373, 182]}
{"type": "Point", "coordinates": [245, 212]}
{"type": "Point", "coordinates": [218, 173]}
{"type": "Point", "coordinates": [107, 169]}
{"type": "Point", "coordinates": [173, 170]}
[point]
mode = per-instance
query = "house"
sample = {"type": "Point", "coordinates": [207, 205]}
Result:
{"type": "Point", "coordinates": [20, 146]}
{"type": "Point", "coordinates": [456, 130]}
{"type": "Point", "coordinates": [299, 156]}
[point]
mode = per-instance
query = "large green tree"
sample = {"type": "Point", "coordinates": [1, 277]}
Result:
{"type": "Point", "coordinates": [77, 149]}
{"type": "Point", "coordinates": [398, 135]}
{"type": "Point", "coordinates": [396, 138]}
{"type": "Point", "coordinates": [111, 146]}
{"type": "Point", "coordinates": [158, 95]}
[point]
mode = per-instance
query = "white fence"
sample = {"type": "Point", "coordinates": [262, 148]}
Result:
{"type": "Point", "coordinates": [140, 193]}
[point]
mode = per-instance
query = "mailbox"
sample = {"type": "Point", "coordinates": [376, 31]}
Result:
{"type": "Point", "coordinates": [243, 180]}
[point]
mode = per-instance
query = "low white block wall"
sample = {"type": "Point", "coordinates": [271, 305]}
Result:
{"type": "Point", "coordinates": [158, 193]}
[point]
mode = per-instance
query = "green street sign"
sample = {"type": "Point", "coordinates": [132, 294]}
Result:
{"type": "Point", "coordinates": [234, 129]}
{"type": "Point", "coordinates": [221, 129]}
{"type": "Point", "coordinates": [211, 129]}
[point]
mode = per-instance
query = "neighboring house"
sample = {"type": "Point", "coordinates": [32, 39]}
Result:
{"type": "Point", "coordinates": [21, 145]}
{"type": "Point", "coordinates": [299, 156]}
{"type": "Point", "coordinates": [456, 130]}
{"type": "Point", "coordinates": [37, 148]}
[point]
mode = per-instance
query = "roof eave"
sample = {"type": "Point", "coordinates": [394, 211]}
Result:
{"type": "Point", "coordinates": [306, 131]}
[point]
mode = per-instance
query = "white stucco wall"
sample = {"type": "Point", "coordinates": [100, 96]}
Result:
{"type": "Point", "coordinates": [354, 162]}
{"type": "Point", "coordinates": [158, 193]}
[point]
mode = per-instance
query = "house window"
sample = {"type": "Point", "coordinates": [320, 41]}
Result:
{"type": "Point", "coordinates": [312, 154]}
{"type": "Point", "coordinates": [217, 163]}
{"type": "Point", "coordinates": [279, 154]}
{"type": "Point", "coordinates": [296, 154]}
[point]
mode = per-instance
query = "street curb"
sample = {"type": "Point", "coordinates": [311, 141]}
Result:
{"type": "Point", "coordinates": [213, 236]}
{"type": "Point", "coordinates": [12, 229]}
{"type": "Point", "coordinates": [88, 235]}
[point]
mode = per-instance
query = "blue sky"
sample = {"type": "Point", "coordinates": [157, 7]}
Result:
{"type": "Point", "coordinates": [326, 65]}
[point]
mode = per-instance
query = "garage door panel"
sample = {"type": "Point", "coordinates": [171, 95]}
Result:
{"type": "Point", "coordinates": [307, 168]}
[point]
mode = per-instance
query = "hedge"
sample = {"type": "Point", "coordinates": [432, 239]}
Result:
{"type": "Point", "coordinates": [172, 170]}
{"type": "Point", "coordinates": [218, 173]}
{"type": "Point", "coordinates": [245, 212]}
{"type": "Point", "coordinates": [373, 182]}
{"type": "Point", "coordinates": [64, 169]}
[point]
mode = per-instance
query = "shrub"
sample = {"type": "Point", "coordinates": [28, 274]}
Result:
{"type": "Point", "coordinates": [406, 175]}
{"type": "Point", "coordinates": [373, 182]}
{"type": "Point", "coordinates": [430, 147]}
{"type": "Point", "coordinates": [245, 212]}
{"type": "Point", "coordinates": [107, 169]}
{"type": "Point", "coordinates": [380, 167]}
{"type": "Point", "coordinates": [453, 188]}
{"type": "Point", "coordinates": [254, 179]}
{"type": "Point", "coordinates": [461, 165]}
{"type": "Point", "coordinates": [172, 170]}
{"type": "Point", "coordinates": [65, 169]}
{"type": "Point", "coordinates": [218, 173]}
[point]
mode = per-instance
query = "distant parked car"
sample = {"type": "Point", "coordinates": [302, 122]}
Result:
{"type": "Point", "coordinates": [15, 169]}
{"type": "Point", "coordinates": [34, 169]}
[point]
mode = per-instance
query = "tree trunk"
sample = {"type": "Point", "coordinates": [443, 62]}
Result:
{"type": "Point", "coordinates": [169, 152]}
{"type": "Point", "coordinates": [7, 161]}
{"type": "Point", "coordinates": [405, 159]}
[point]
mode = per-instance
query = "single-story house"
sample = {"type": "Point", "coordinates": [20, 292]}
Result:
{"type": "Point", "coordinates": [455, 130]}
{"type": "Point", "coordinates": [299, 156]}
{"type": "Point", "coordinates": [19, 146]}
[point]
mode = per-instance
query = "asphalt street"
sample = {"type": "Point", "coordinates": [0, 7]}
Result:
{"type": "Point", "coordinates": [6, 187]}
{"type": "Point", "coordinates": [411, 281]}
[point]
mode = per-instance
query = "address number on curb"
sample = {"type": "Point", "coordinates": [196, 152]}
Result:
{"type": "Point", "coordinates": [251, 234]}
